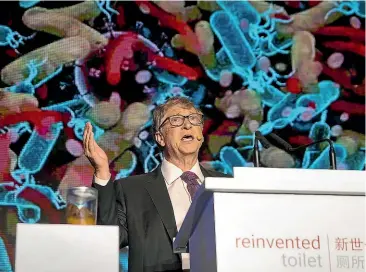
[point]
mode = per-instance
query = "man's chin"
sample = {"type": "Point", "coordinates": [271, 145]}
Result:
{"type": "Point", "coordinates": [189, 150]}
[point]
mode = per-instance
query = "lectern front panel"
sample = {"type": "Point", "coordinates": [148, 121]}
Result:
{"type": "Point", "coordinates": [71, 248]}
{"type": "Point", "coordinates": [279, 232]}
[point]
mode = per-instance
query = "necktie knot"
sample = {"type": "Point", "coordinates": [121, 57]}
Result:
{"type": "Point", "coordinates": [189, 177]}
{"type": "Point", "coordinates": [192, 184]}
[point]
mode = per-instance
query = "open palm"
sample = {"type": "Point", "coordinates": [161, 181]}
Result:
{"type": "Point", "coordinates": [96, 155]}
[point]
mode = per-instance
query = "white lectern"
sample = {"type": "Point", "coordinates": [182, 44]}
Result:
{"type": "Point", "coordinates": [267, 219]}
{"type": "Point", "coordinates": [71, 248]}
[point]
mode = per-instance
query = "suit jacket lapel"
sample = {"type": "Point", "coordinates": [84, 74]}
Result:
{"type": "Point", "coordinates": [158, 192]}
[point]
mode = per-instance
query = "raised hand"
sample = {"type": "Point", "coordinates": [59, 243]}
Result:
{"type": "Point", "coordinates": [97, 157]}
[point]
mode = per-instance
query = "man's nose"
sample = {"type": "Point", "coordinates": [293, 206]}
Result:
{"type": "Point", "coordinates": [187, 124]}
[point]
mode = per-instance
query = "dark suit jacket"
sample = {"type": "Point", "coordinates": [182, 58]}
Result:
{"type": "Point", "coordinates": [141, 207]}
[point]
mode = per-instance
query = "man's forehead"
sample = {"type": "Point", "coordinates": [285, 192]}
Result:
{"type": "Point", "coordinates": [177, 109]}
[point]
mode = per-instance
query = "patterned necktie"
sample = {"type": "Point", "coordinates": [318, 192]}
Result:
{"type": "Point", "coordinates": [192, 184]}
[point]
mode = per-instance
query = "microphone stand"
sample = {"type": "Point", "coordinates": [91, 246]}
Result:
{"type": "Point", "coordinates": [256, 158]}
{"type": "Point", "coordinates": [258, 137]}
{"type": "Point", "coordinates": [288, 147]}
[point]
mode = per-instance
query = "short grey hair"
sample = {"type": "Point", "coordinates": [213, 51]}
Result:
{"type": "Point", "coordinates": [161, 110]}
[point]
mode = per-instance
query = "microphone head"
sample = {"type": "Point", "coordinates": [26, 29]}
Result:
{"type": "Point", "coordinates": [258, 134]}
{"type": "Point", "coordinates": [281, 141]}
{"type": "Point", "coordinates": [262, 139]}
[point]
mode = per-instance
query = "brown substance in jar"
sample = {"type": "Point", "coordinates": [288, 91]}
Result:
{"type": "Point", "coordinates": [76, 216]}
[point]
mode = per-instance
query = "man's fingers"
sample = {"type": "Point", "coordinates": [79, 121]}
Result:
{"type": "Point", "coordinates": [87, 139]}
{"type": "Point", "coordinates": [92, 142]}
{"type": "Point", "coordinates": [84, 137]}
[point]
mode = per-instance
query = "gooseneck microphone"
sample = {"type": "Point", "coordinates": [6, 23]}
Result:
{"type": "Point", "coordinates": [288, 147]}
{"type": "Point", "coordinates": [259, 138]}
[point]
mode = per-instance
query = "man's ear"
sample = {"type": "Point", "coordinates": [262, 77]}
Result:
{"type": "Point", "coordinates": [159, 138]}
{"type": "Point", "coordinates": [203, 137]}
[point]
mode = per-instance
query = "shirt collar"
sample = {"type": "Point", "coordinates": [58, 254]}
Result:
{"type": "Point", "coordinates": [171, 172]}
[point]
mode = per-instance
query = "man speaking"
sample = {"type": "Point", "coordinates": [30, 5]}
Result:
{"type": "Point", "coordinates": [150, 208]}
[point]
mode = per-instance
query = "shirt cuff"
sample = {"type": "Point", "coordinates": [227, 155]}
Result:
{"type": "Point", "coordinates": [101, 182]}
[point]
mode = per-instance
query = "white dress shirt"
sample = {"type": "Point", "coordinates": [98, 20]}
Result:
{"type": "Point", "coordinates": [178, 193]}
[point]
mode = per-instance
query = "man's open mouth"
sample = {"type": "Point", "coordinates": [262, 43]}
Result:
{"type": "Point", "coordinates": [187, 138]}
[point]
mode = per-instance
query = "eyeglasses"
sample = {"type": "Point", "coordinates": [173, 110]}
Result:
{"type": "Point", "coordinates": [195, 119]}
